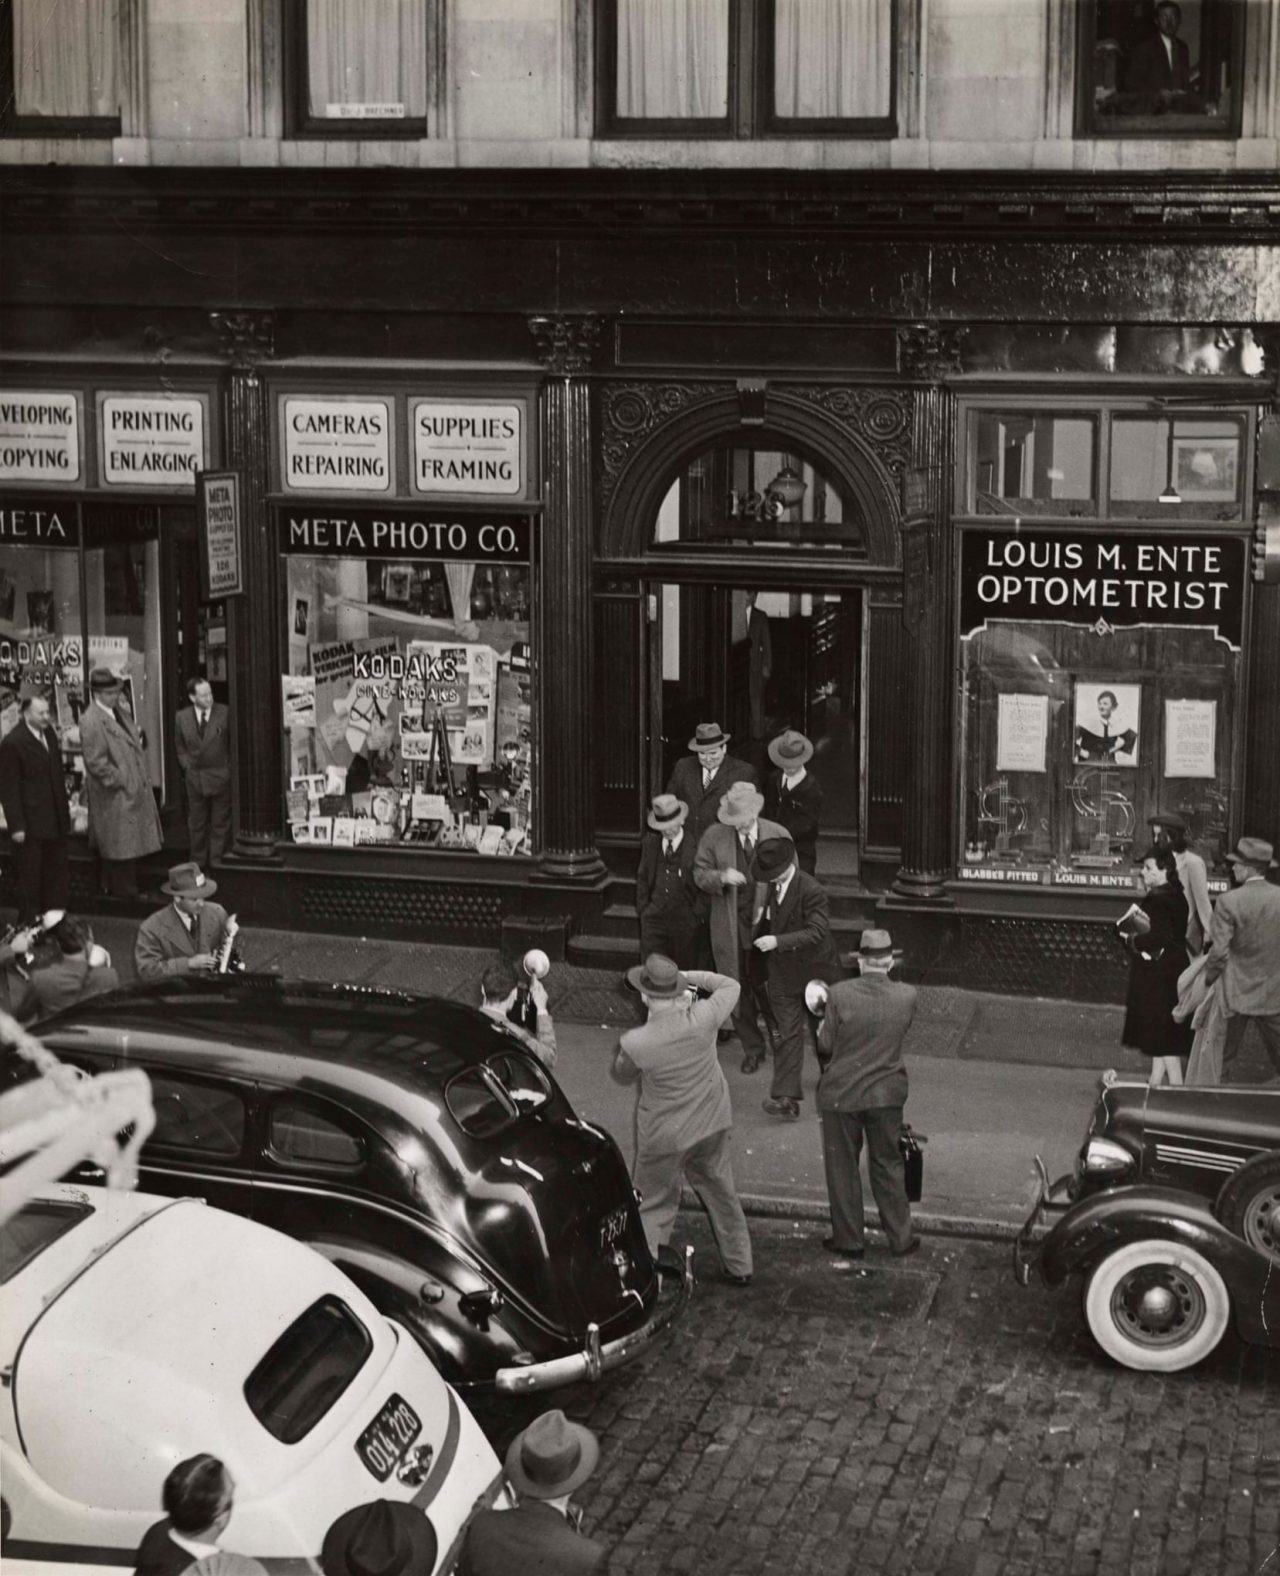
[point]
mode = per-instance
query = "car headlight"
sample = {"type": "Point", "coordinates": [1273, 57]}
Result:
{"type": "Point", "coordinates": [1104, 1157]}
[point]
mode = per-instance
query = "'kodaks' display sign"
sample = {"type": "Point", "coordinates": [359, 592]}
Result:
{"type": "Point", "coordinates": [1074, 577]}
{"type": "Point", "coordinates": [402, 533]}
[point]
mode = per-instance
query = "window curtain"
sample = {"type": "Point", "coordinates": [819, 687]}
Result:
{"type": "Point", "coordinates": [831, 58]}
{"type": "Point", "coordinates": [66, 57]}
{"type": "Point", "coordinates": [367, 52]}
{"type": "Point", "coordinates": [673, 59]}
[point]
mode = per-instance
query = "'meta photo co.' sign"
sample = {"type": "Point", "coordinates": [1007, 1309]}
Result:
{"type": "Point", "coordinates": [1075, 577]}
{"type": "Point", "coordinates": [403, 533]}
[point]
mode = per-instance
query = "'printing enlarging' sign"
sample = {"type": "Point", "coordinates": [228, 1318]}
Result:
{"type": "Point", "coordinates": [150, 440]}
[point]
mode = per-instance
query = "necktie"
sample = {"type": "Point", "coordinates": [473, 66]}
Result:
{"type": "Point", "coordinates": [706, 777]}
{"type": "Point", "coordinates": [668, 847]}
{"type": "Point", "coordinates": [748, 846]}
{"type": "Point", "coordinates": [203, 716]}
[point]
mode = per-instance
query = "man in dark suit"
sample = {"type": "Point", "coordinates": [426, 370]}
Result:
{"type": "Point", "coordinates": [671, 908]}
{"type": "Point", "coordinates": [197, 1498]}
{"type": "Point", "coordinates": [546, 1462]}
{"type": "Point", "coordinates": [33, 791]}
{"type": "Point", "coordinates": [1244, 952]}
{"type": "Point", "coordinates": [187, 936]}
{"type": "Point", "coordinates": [79, 969]}
{"type": "Point", "coordinates": [202, 733]}
{"type": "Point", "coordinates": [793, 935]}
{"type": "Point", "coordinates": [862, 1093]}
{"type": "Point", "coordinates": [793, 795]}
{"type": "Point", "coordinates": [700, 779]}
{"type": "Point", "coordinates": [1160, 66]}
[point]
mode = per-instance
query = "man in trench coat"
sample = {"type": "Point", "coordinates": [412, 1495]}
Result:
{"type": "Point", "coordinates": [124, 823]}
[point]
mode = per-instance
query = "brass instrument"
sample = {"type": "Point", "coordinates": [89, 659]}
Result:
{"type": "Point", "coordinates": [229, 959]}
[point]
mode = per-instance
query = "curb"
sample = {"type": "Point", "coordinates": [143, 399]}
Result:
{"type": "Point", "coordinates": [766, 1207]}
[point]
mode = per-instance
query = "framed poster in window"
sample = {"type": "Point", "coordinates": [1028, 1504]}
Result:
{"type": "Point", "coordinates": [1190, 738]}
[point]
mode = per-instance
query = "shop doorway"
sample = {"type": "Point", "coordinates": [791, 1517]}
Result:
{"type": "Point", "coordinates": [758, 662]}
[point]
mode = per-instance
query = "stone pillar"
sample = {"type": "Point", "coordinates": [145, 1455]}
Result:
{"type": "Point", "coordinates": [931, 354]}
{"type": "Point", "coordinates": [254, 616]}
{"type": "Point", "coordinates": [565, 346]}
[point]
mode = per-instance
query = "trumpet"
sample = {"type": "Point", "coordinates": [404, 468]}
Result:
{"type": "Point", "coordinates": [815, 997]}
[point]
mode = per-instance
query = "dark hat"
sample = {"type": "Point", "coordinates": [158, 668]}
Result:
{"type": "Point", "coordinates": [667, 813]}
{"type": "Point", "coordinates": [383, 1538]}
{"type": "Point", "coordinates": [657, 976]}
{"type": "Point", "coordinates": [1168, 818]}
{"type": "Point", "coordinates": [188, 881]}
{"type": "Point", "coordinates": [774, 857]}
{"type": "Point", "coordinates": [552, 1456]}
{"type": "Point", "coordinates": [1253, 851]}
{"type": "Point", "coordinates": [877, 944]}
{"type": "Point", "coordinates": [707, 736]}
{"type": "Point", "coordinates": [104, 679]}
{"type": "Point", "coordinates": [790, 749]}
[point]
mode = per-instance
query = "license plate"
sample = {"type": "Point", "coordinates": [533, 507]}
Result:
{"type": "Point", "coordinates": [387, 1438]}
{"type": "Point", "coordinates": [612, 1228]}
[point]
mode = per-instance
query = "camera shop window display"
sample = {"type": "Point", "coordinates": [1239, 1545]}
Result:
{"type": "Point", "coordinates": [408, 703]}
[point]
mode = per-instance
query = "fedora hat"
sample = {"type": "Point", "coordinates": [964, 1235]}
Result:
{"type": "Point", "coordinates": [104, 679]}
{"type": "Point", "coordinates": [188, 881]}
{"type": "Point", "coordinates": [553, 1456]}
{"type": "Point", "coordinates": [657, 976]}
{"type": "Point", "coordinates": [383, 1538]}
{"type": "Point", "coordinates": [790, 749]}
{"type": "Point", "coordinates": [741, 804]}
{"type": "Point", "coordinates": [707, 736]}
{"type": "Point", "coordinates": [1253, 851]}
{"type": "Point", "coordinates": [774, 857]}
{"type": "Point", "coordinates": [877, 944]}
{"type": "Point", "coordinates": [667, 813]}
{"type": "Point", "coordinates": [1169, 818]}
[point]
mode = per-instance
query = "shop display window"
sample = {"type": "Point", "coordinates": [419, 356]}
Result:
{"type": "Point", "coordinates": [408, 700]}
{"type": "Point", "coordinates": [1033, 463]}
{"type": "Point", "coordinates": [1190, 466]}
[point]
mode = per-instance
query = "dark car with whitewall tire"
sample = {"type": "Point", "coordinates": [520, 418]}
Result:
{"type": "Point", "coordinates": [1172, 1216]}
{"type": "Point", "coordinates": [414, 1142]}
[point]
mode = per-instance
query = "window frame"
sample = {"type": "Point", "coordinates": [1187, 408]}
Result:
{"type": "Point", "coordinates": [292, 1099]}
{"type": "Point", "coordinates": [301, 125]}
{"type": "Point", "coordinates": [751, 110]}
{"type": "Point", "coordinates": [16, 125]}
{"type": "Point", "coordinates": [189, 1151]}
{"type": "Point", "coordinates": [1089, 124]}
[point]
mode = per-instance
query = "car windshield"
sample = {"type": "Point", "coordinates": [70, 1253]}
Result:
{"type": "Point", "coordinates": [307, 1369]}
{"type": "Point", "coordinates": [36, 1225]}
{"type": "Point", "coordinates": [485, 1100]}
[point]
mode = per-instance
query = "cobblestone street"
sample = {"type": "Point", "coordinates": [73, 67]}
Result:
{"type": "Point", "coordinates": [920, 1418]}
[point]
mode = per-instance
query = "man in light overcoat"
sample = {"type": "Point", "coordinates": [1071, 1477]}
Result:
{"type": "Point", "coordinates": [124, 823]}
{"type": "Point", "coordinates": [1244, 951]}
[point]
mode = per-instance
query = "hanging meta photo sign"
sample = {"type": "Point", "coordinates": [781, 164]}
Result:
{"type": "Point", "coordinates": [218, 514]}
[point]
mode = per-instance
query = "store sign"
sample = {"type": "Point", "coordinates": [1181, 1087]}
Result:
{"type": "Point", "coordinates": [336, 445]}
{"type": "Point", "coordinates": [39, 523]}
{"type": "Point", "coordinates": [151, 441]}
{"type": "Point", "coordinates": [338, 532]}
{"type": "Point", "coordinates": [218, 514]}
{"type": "Point", "coordinates": [39, 436]}
{"type": "Point", "coordinates": [1045, 576]}
{"type": "Point", "coordinates": [467, 447]}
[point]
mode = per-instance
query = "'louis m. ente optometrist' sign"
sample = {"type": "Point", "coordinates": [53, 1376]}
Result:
{"type": "Point", "coordinates": [1038, 575]}
{"type": "Point", "coordinates": [343, 531]}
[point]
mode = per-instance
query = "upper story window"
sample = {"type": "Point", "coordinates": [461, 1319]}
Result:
{"type": "Point", "coordinates": [745, 68]}
{"type": "Point", "coordinates": [1168, 70]}
{"type": "Point", "coordinates": [357, 70]}
{"type": "Point", "coordinates": [60, 68]}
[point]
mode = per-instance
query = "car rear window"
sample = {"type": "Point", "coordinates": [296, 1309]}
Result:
{"type": "Point", "coordinates": [307, 1369]}
{"type": "Point", "coordinates": [35, 1227]}
{"type": "Point", "coordinates": [486, 1100]}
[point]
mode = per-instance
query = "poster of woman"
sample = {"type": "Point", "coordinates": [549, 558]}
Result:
{"type": "Point", "coordinates": [1106, 723]}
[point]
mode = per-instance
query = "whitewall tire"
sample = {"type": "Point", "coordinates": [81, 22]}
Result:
{"type": "Point", "coordinates": [1156, 1305]}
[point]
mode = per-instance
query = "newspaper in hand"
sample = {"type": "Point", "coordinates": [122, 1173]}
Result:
{"type": "Point", "coordinates": [1133, 922]}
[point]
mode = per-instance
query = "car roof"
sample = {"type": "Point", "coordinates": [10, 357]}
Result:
{"type": "Point", "coordinates": [140, 1359]}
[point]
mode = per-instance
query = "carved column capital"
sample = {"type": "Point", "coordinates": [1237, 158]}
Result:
{"type": "Point", "coordinates": [245, 338]}
{"type": "Point", "coordinates": [566, 343]}
{"type": "Point", "coordinates": [931, 350]}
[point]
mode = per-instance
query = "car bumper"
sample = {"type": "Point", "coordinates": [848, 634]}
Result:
{"type": "Point", "coordinates": [1053, 1199]}
{"type": "Point", "coordinates": [598, 1357]}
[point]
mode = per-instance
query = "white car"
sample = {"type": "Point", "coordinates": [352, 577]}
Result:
{"type": "Point", "coordinates": [138, 1331]}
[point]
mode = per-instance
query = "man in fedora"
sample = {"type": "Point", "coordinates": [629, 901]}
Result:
{"type": "Point", "coordinates": [186, 936]}
{"type": "Point", "coordinates": [723, 869]}
{"type": "Point", "coordinates": [683, 1117]}
{"type": "Point", "coordinates": [1244, 952]}
{"type": "Point", "coordinates": [861, 1094]}
{"type": "Point", "coordinates": [701, 778]}
{"type": "Point", "coordinates": [33, 791]}
{"type": "Point", "coordinates": [671, 908]}
{"type": "Point", "coordinates": [124, 823]}
{"type": "Point", "coordinates": [384, 1537]}
{"type": "Point", "coordinates": [793, 935]}
{"type": "Point", "coordinates": [545, 1464]}
{"type": "Point", "coordinates": [793, 795]}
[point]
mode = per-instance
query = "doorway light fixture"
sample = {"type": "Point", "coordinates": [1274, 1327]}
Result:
{"type": "Point", "coordinates": [788, 486]}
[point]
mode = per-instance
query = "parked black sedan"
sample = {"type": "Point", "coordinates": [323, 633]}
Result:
{"type": "Point", "coordinates": [411, 1140]}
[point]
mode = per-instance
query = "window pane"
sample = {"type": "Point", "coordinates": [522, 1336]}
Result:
{"type": "Point", "coordinates": [299, 1133]}
{"type": "Point", "coordinates": [1026, 463]}
{"type": "Point", "coordinates": [1188, 467]}
{"type": "Point", "coordinates": [673, 59]}
{"type": "Point", "coordinates": [196, 1116]}
{"type": "Point", "coordinates": [65, 57]}
{"type": "Point", "coordinates": [832, 58]}
{"type": "Point", "coordinates": [758, 495]}
{"type": "Point", "coordinates": [307, 1369]}
{"type": "Point", "coordinates": [35, 1227]}
{"type": "Point", "coordinates": [1164, 71]}
{"type": "Point", "coordinates": [367, 59]}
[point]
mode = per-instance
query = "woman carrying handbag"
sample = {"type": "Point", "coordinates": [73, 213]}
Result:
{"type": "Point", "coordinates": [1154, 931]}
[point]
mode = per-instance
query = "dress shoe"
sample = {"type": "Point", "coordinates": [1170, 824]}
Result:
{"type": "Point", "coordinates": [724, 1034]}
{"type": "Point", "coordinates": [912, 1247]}
{"type": "Point", "coordinates": [782, 1106]}
{"type": "Point", "coordinates": [832, 1246]}
{"type": "Point", "coordinates": [735, 1280]}
{"type": "Point", "coordinates": [752, 1064]}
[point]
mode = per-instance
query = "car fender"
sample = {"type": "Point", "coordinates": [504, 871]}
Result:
{"type": "Point", "coordinates": [1099, 1224]}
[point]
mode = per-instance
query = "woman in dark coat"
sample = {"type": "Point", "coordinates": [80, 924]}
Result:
{"type": "Point", "coordinates": [1159, 956]}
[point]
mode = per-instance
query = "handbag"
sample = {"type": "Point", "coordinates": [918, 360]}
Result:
{"type": "Point", "coordinates": [909, 1142]}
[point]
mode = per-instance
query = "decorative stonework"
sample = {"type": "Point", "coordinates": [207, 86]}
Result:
{"type": "Point", "coordinates": [566, 344]}
{"type": "Point", "coordinates": [629, 412]}
{"type": "Point", "coordinates": [930, 350]}
{"type": "Point", "coordinates": [880, 419]}
{"type": "Point", "coordinates": [245, 338]}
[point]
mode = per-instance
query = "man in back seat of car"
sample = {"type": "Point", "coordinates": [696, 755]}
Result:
{"type": "Point", "coordinates": [197, 1499]}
